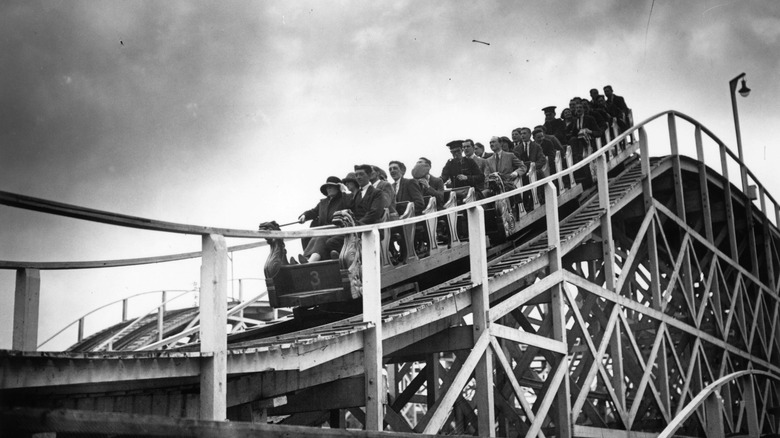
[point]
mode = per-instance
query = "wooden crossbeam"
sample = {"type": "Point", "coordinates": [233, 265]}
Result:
{"type": "Point", "coordinates": [437, 414]}
{"type": "Point", "coordinates": [111, 423]}
{"type": "Point", "coordinates": [517, 390]}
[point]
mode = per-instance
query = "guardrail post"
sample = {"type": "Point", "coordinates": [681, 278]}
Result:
{"type": "Point", "coordinates": [703, 187]}
{"type": "Point", "coordinates": [161, 317]}
{"type": "Point", "coordinates": [124, 310]}
{"type": "Point", "coordinates": [608, 251]}
{"type": "Point", "coordinates": [27, 297]}
{"type": "Point", "coordinates": [564, 422]}
{"type": "Point", "coordinates": [729, 203]}
{"type": "Point", "coordinates": [372, 336]}
{"type": "Point", "coordinates": [655, 277]}
{"type": "Point", "coordinates": [213, 330]}
{"type": "Point", "coordinates": [770, 268]}
{"type": "Point", "coordinates": [480, 306]}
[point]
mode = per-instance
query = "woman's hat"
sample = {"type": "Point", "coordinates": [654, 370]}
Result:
{"type": "Point", "coordinates": [332, 181]}
{"type": "Point", "coordinates": [349, 178]}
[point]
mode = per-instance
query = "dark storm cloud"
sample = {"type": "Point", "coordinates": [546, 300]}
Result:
{"type": "Point", "coordinates": [108, 90]}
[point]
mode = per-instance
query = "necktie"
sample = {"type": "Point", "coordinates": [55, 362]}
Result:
{"type": "Point", "coordinates": [526, 148]}
{"type": "Point", "coordinates": [395, 187]}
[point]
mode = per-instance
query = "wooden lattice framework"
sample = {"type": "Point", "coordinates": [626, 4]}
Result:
{"type": "Point", "coordinates": [664, 282]}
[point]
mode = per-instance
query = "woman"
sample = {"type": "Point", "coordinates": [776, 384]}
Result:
{"type": "Point", "coordinates": [323, 214]}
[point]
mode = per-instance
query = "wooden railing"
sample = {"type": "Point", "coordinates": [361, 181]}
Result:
{"type": "Point", "coordinates": [214, 254]}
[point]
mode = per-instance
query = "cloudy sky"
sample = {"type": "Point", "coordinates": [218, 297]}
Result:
{"type": "Point", "coordinates": [231, 113]}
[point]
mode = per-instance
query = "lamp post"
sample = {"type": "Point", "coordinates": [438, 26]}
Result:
{"type": "Point", "coordinates": [744, 91]}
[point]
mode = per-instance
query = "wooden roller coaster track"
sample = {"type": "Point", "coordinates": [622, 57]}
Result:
{"type": "Point", "coordinates": [618, 320]}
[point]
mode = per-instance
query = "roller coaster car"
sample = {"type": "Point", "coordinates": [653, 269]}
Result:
{"type": "Point", "coordinates": [408, 252]}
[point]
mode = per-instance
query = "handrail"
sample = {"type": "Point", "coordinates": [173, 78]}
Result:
{"type": "Point", "coordinates": [110, 340]}
{"type": "Point", "coordinates": [52, 207]}
{"type": "Point", "coordinates": [57, 208]}
{"type": "Point", "coordinates": [700, 398]}
{"type": "Point", "coordinates": [190, 330]}
{"type": "Point", "coordinates": [52, 266]}
{"type": "Point", "coordinates": [75, 321]}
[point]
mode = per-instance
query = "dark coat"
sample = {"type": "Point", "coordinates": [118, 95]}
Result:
{"type": "Point", "coordinates": [410, 191]}
{"type": "Point", "coordinates": [556, 127]}
{"type": "Point", "coordinates": [324, 210]}
{"type": "Point", "coordinates": [369, 209]}
{"type": "Point", "coordinates": [535, 154]}
{"type": "Point", "coordinates": [462, 166]}
{"type": "Point", "coordinates": [435, 189]}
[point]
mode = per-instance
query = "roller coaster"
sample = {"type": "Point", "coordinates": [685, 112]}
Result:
{"type": "Point", "coordinates": [645, 305]}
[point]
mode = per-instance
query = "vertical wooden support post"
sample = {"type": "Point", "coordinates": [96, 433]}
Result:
{"type": "Point", "coordinates": [563, 422]}
{"type": "Point", "coordinates": [752, 244]}
{"type": "Point", "coordinates": [703, 187]}
{"type": "Point", "coordinates": [751, 407]}
{"type": "Point", "coordinates": [768, 257]}
{"type": "Point", "coordinates": [679, 197]}
{"type": "Point", "coordinates": [729, 205]}
{"type": "Point", "coordinates": [432, 375]}
{"type": "Point", "coordinates": [655, 277]}
{"type": "Point", "coordinates": [372, 336]}
{"type": "Point", "coordinates": [124, 310]}
{"type": "Point", "coordinates": [213, 331]}
{"type": "Point", "coordinates": [676, 170]}
{"type": "Point", "coordinates": [480, 306]}
{"type": "Point", "coordinates": [81, 329]}
{"type": "Point", "coordinates": [608, 252]}
{"type": "Point", "coordinates": [27, 298]}
{"type": "Point", "coordinates": [714, 415]}
{"type": "Point", "coordinates": [161, 316]}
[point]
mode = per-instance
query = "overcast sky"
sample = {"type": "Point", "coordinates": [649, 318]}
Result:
{"type": "Point", "coordinates": [232, 113]}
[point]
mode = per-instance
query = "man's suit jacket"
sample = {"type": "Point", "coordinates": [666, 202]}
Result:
{"type": "Point", "coordinates": [410, 191]}
{"type": "Point", "coordinates": [505, 165]}
{"type": "Point", "coordinates": [556, 127]}
{"type": "Point", "coordinates": [550, 148]}
{"type": "Point", "coordinates": [483, 166]}
{"type": "Point", "coordinates": [587, 122]}
{"type": "Point", "coordinates": [434, 188]}
{"type": "Point", "coordinates": [387, 190]}
{"type": "Point", "coordinates": [619, 103]}
{"type": "Point", "coordinates": [535, 154]}
{"type": "Point", "coordinates": [368, 209]}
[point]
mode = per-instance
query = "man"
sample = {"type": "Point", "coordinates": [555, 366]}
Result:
{"type": "Point", "coordinates": [367, 204]}
{"type": "Point", "coordinates": [582, 132]}
{"type": "Point", "coordinates": [468, 151]}
{"type": "Point", "coordinates": [553, 125]}
{"type": "Point", "coordinates": [506, 164]}
{"type": "Point", "coordinates": [378, 179]}
{"type": "Point", "coordinates": [549, 148]}
{"type": "Point", "coordinates": [619, 103]}
{"type": "Point", "coordinates": [553, 139]}
{"type": "Point", "coordinates": [529, 152]}
{"type": "Point", "coordinates": [461, 171]}
{"type": "Point", "coordinates": [406, 190]}
{"type": "Point", "coordinates": [479, 150]}
{"type": "Point", "coordinates": [430, 185]}
{"type": "Point", "coordinates": [594, 93]}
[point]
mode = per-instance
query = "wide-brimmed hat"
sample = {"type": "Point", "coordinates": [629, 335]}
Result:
{"type": "Point", "coordinates": [332, 181]}
{"type": "Point", "coordinates": [349, 178]}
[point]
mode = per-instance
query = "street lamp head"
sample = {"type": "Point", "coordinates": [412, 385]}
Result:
{"type": "Point", "coordinates": [744, 91]}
